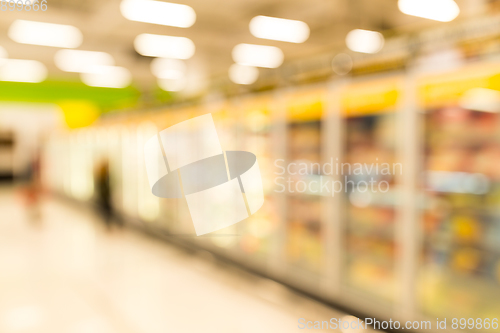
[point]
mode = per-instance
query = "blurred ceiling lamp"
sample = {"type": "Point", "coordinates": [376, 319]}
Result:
{"type": "Point", "coordinates": [243, 74]}
{"type": "Point", "coordinates": [158, 12]}
{"type": "Point", "coordinates": [172, 85]}
{"type": "Point", "coordinates": [481, 99]}
{"type": "Point", "coordinates": [79, 61]}
{"type": "Point", "coordinates": [107, 77]}
{"type": "Point", "coordinates": [17, 70]}
{"type": "Point", "coordinates": [258, 55]}
{"type": "Point", "coordinates": [342, 64]}
{"type": "Point", "coordinates": [438, 10]}
{"type": "Point", "coordinates": [274, 28]}
{"type": "Point", "coordinates": [3, 56]}
{"type": "Point", "coordinates": [47, 34]}
{"type": "Point", "coordinates": [364, 41]}
{"type": "Point", "coordinates": [164, 46]}
{"type": "Point", "coordinates": [172, 69]}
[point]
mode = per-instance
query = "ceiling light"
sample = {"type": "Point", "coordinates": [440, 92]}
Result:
{"type": "Point", "coordinates": [342, 64]}
{"type": "Point", "coordinates": [17, 70]}
{"type": "Point", "coordinates": [243, 74]}
{"type": "Point", "coordinates": [172, 85]}
{"type": "Point", "coordinates": [47, 34]}
{"type": "Point", "coordinates": [107, 77]}
{"type": "Point", "coordinates": [164, 68]}
{"type": "Point", "coordinates": [364, 41]}
{"type": "Point", "coordinates": [279, 29]}
{"type": "Point", "coordinates": [438, 10]}
{"type": "Point", "coordinates": [80, 61]}
{"type": "Point", "coordinates": [164, 46]}
{"type": "Point", "coordinates": [158, 12]}
{"type": "Point", "coordinates": [258, 55]}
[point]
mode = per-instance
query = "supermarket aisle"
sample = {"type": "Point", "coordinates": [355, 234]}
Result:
{"type": "Point", "coordinates": [68, 275]}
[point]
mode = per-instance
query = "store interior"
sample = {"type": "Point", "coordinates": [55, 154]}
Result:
{"type": "Point", "coordinates": [376, 130]}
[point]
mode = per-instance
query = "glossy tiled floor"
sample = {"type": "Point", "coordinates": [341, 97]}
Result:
{"type": "Point", "coordinates": [67, 275]}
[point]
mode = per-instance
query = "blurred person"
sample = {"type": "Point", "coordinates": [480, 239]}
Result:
{"type": "Point", "coordinates": [33, 190]}
{"type": "Point", "coordinates": [103, 190]}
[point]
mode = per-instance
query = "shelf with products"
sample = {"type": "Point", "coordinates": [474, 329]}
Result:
{"type": "Point", "coordinates": [254, 128]}
{"type": "Point", "coordinates": [370, 157]}
{"type": "Point", "coordinates": [458, 195]}
{"type": "Point", "coordinates": [460, 261]}
{"type": "Point", "coordinates": [226, 119]}
{"type": "Point", "coordinates": [177, 208]}
{"type": "Point", "coordinates": [304, 239]}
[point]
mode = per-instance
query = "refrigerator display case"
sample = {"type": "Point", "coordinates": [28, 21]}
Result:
{"type": "Point", "coordinates": [369, 173]}
{"type": "Point", "coordinates": [254, 128]}
{"type": "Point", "coordinates": [225, 117]}
{"type": "Point", "coordinates": [355, 254]}
{"type": "Point", "coordinates": [175, 219]}
{"type": "Point", "coordinates": [304, 241]}
{"type": "Point", "coordinates": [460, 263]}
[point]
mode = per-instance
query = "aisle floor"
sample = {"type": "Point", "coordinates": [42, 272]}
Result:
{"type": "Point", "coordinates": [68, 275]}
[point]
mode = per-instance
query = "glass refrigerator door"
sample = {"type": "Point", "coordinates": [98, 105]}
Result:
{"type": "Point", "coordinates": [460, 273]}
{"type": "Point", "coordinates": [257, 130]}
{"type": "Point", "coordinates": [368, 176]}
{"type": "Point", "coordinates": [304, 246]}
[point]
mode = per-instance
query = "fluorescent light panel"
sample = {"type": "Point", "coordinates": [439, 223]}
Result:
{"type": "Point", "coordinates": [164, 46]}
{"type": "Point", "coordinates": [17, 70]}
{"type": "Point", "coordinates": [158, 12]}
{"type": "Point", "coordinates": [107, 77]}
{"type": "Point", "coordinates": [364, 41]}
{"type": "Point", "coordinates": [284, 30]}
{"type": "Point", "coordinates": [243, 74]}
{"type": "Point", "coordinates": [258, 55]}
{"type": "Point", "coordinates": [46, 34]}
{"type": "Point", "coordinates": [438, 10]}
{"type": "Point", "coordinates": [80, 61]}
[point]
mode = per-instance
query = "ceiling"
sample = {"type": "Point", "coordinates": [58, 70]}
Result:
{"type": "Point", "coordinates": [220, 25]}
